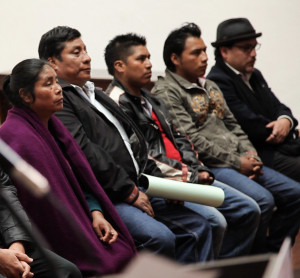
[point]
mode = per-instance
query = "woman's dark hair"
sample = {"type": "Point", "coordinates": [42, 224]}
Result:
{"type": "Point", "coordinates": [53, 42]}
{"type": "Point", "coordinates": [5, 105]}
{"type": "Point", "coordinates": [24, 76]}
{"type": "Point", "coordinates": [175, 42]}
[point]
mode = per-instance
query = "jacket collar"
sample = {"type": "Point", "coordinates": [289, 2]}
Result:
{"type": "Point", "coordinates": [118, 83]}
{"type": "Point", "coordinates": [183, 82]}
{"type": "Point", "coordinates": [220, 63]}
{"type": "Point", "coordinates": [64, 84]}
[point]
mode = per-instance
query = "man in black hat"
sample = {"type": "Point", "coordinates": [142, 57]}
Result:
{"type": "Point", "coordinates": [269, 124]}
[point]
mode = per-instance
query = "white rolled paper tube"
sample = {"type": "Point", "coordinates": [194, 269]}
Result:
{"type": "Point", "coordinates": [182, 191]}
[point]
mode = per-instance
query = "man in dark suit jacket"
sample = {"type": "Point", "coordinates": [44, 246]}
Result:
{"type": "Point", "coordinates": [101, 129]}
{"type": "Point", "coordinates": [269, 123]}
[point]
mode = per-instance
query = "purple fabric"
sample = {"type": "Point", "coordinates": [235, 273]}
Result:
{"type": "Point", "coordinates": [25, 133]}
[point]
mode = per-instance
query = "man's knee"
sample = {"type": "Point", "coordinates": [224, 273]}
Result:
{"type": "Point", "coordinates": [69, 270]}
{"type": "Point", "coordinates": [40, 265]}
{"type": "Point", "coordinates": [251, 211]}
{"type": "Point", "coordinates": [161, 242]}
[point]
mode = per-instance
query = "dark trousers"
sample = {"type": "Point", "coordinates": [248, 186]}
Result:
{"type": "Point", "coordinates": [40, 266]}
{"type": "Point", "coordinates": [287, 165]}
{"type": "Point", "coordinates": [41, 269]}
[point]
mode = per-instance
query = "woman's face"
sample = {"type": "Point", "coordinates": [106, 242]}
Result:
{"type": "Point", "coordinates": [48, 94]}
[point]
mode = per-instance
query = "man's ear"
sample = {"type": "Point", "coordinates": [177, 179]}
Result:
{"type": "Point", "coordinates": [52, 62]}
{"type": "Point", "coordinates": [175, 59]}
{"type": "Point", "coordinates": [119, 66]}
{"type": "Point", "coordinates": [224, 52]}
{"type": "Point", "coordinates": [25, 96]}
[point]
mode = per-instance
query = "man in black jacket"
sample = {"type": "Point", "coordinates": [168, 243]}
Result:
{"type": "Point", "coordinates": [101, 128]}
{"type": "Point", "coordinates": [128, 60]}
{"type": "Point", "coordinates": [15, 243]}
{"type": "Point", "coordinates": [269, 123]}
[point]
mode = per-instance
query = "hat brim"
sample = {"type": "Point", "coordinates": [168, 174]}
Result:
{"type": "Point", "coordinates": [235, 39]}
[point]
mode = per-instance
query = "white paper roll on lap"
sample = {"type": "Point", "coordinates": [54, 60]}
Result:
{"type": "Point", "coordinates": [182, 191]}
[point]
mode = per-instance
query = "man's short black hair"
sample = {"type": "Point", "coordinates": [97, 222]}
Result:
{"type": "Point", "coordinates": [53, 42]}
{"type": "Point", "coordinates": [175, 42]}
{"type": "Point", "coordinates": [119, 48]}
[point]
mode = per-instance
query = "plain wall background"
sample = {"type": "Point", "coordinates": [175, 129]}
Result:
{"type": "Point", "coordinates": [23, 22]}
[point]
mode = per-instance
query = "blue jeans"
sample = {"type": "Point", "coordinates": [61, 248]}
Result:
{"type": "Point", "coordinates": [176, 231]}
{"type": "Point", "coordinates": [242, 215]}
{"type": "Point", "coordinates": [279, 200]}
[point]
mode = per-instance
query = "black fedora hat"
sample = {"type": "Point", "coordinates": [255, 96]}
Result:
{"type": "Point", "coordinates": [234, 29]}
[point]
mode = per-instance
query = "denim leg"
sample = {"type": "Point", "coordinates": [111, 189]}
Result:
{"type": "Point", "coordinates": [258, 193]}
{"type": "Point", "coordinates": [286, 219]}
{"type": "Point", "coordinates": [146, 231]}
{"type": "Point", "coordinates": [192, 231]}
{"type": "Point", "coordinates": [242, 214]}
{"type": "Point", "coordinates": [216, 220]}
{"type": "Point", "coordinates": [176, 231]}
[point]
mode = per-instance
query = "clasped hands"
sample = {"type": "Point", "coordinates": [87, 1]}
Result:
{"type": "Point", "coordinates": [14, 262]}
{"type": "Point", "coordinates": [251, 167]}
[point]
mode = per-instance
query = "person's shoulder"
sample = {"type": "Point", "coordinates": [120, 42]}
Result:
{"type": "Point", "coordinates": [211, 83]}
{"type": "Point", "coordinates": [69, 93]}
{"type": "Point", "coordinates": [100, 94]}
{"type": "Point", "coordinates": [163, 85]}
{"type": "Point", "coordinates": [18, 133]}
{"type": "Point", "coordinates": [217, 73]}
{"type": "Point", "coordinates": [65, 85]}
{"type": "Point", "coordinates": [257, 72]}
{"type": "Point", "coordinates": [14, 124]}
{"type": "Point", "coordinates": [161, 81]}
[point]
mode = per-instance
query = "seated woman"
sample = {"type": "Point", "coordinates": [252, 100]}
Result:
{"type": "Point", "coordinates": [42, 140]}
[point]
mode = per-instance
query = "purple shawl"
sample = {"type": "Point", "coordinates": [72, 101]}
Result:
{"type": "Point", "coordinates": [25, 133]}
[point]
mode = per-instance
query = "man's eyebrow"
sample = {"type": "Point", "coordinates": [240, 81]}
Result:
{"type": "Point", "coordinates": [144, 56]}
{"type": "Point", "coordinates": [77, 47]}
{"type": "Point", "coordinates": [199, 49]}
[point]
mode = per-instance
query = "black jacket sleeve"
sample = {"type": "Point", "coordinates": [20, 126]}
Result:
{"type": "Point", "coordinates": [10, 229]}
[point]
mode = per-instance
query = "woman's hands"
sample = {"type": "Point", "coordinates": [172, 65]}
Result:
{"type": "Point", "coordinates": [103, 229]}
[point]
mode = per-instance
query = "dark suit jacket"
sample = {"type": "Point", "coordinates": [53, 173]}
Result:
{"type": "Point", "coordinates": [101, 142]}
{"type": "Point", "coordinates": [253, 110]}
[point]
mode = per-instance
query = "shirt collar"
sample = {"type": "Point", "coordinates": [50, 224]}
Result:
{"type": "Point", "coordinates": [88, 89]}
{"type": "Point", "coordinates": [245, 77]}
